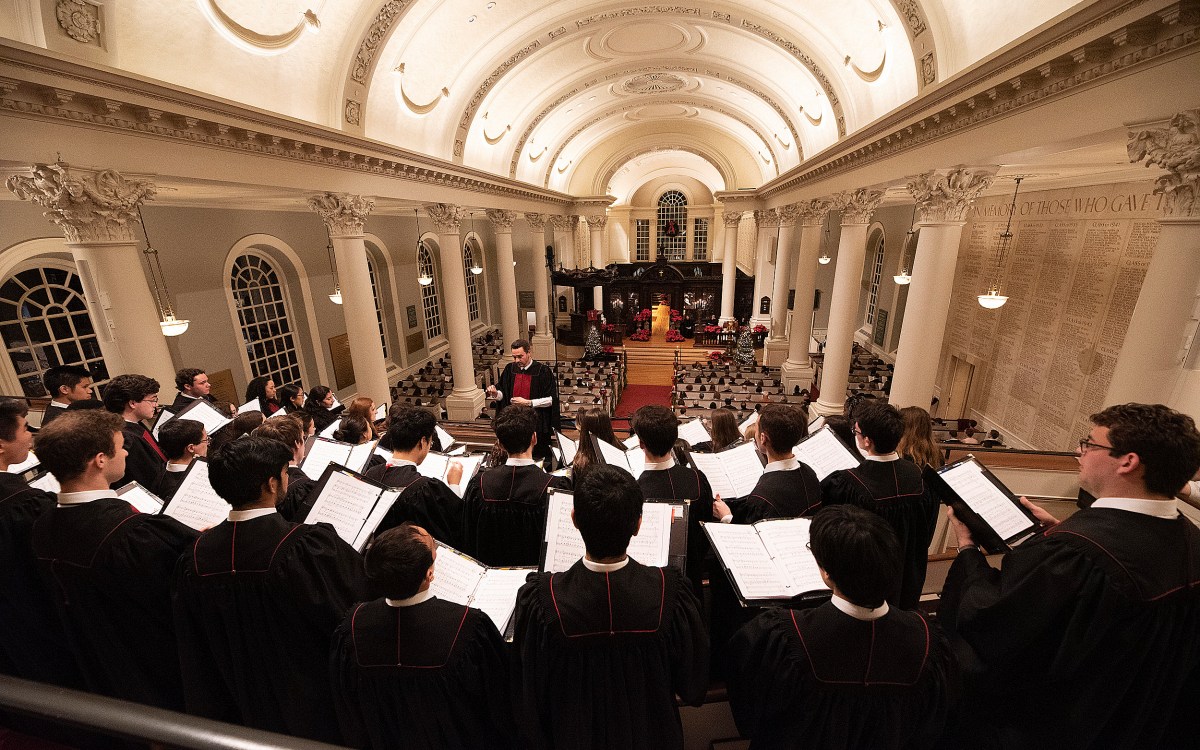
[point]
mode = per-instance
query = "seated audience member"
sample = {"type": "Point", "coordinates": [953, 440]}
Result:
{"type": "Point", "coordinates": [107, 566]}
{"type": "Point", "coordinates": [723, 428]}
{"type": "Point", "coordinates": [657, 428]}
{"type": "Point", "coordinates": [66, 384]}
{"type": "Point", "coordinates": [789, 488]}
{"type": "Point", "coordinates": [993, 440]}
{"type": "Point", "coordinates": [602, 649]}
{"type": "Point", "coordinates": [135, 399]}
{"type": "Point", "coordinates": [242, 424]}
{"type": "Point", "coordinates": [257, 599]}
{"type": "Point", "coordinates": [428, 503]}
{"type": "Point", "coordinates": [296, 501]}
{"type": "Point", "coordinates": [952, 437]}
{"type": "Point", "coordinates": [33, 644]}
{"type": "Point", "coordinates": [262, 388]}
{"type": "Point", "coordinates": [591, 423]}
{"type": "Point", "coordinates": [917, 443]}
{"type": "Point", "coordinates": [504, 508]}
{"type": "Point", "coordinates": [182, 440]}
{"type": "Point", "coordinates": [443, 685]}
{"type": "Point", "coordinates": [192, 384]}
{"type": "Point", "coordinates": [970, 437]}
{"type": "Point", "coordinates": [291, 397]}
{"type": "Point", "coordinates": [890, 486]}
{"type": "Point", "coordinates": [1104, 604]}
{"type": "Point", "coordinates": [320, 406]}
{"type": "Point", "coordinates": [853, 672]}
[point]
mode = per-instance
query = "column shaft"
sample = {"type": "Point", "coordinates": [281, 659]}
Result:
{"type": "Point", "coordinates": [763, 278]}
{"type": "Point", "coordinates": [729, 265]}
{"type": "Point", "coordinates": [797, 370]}
{"type": "Point", "coordinates": [543, 341]}
{"type": "Point", "coordinates": [362, 327]}
{"type": "Point", "coordinates": [843, 308]}
{"type": "Point", "coordinates": [510, 327]}
{"type": "Point", "coordinates": [466, 399]}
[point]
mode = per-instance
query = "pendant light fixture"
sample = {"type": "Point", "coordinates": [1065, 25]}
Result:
{"type": "Point", "coordinates": [336, 295]}
{"type": "Point", "coordinates": [824, 259]}
{"type": "Point", "coordinates": [424, 279]}
{"type": "Point", "coordinates": [905, 276]}
{"type": "Point", "coordinates": [475, 267]}
{"type": "Point", "coordinates": [993, 299]}
{"type": "Point", "coordinates": [171, 326]}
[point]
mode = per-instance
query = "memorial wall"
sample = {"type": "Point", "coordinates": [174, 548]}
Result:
{"type": "Point", "coordinates": [1044, 360]}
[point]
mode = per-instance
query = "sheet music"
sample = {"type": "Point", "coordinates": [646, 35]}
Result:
{"type": "Point", "coordinates": [637, 461]}
{"type": "Point", "coordinates": [613, 455]}
{"type": "Point", "coordinates": [359, 455]}
{"type": "Point", "coordinates": [31, 462]}
{"type": "Point", "coordinates": [386, 500]}
{"type": "Point", "coordinates": [569, 447]}
{"type": "Point", "coordinates": [786, 540]}
{"type": "Point", "coordinates": [745, 425]}
{"type": "Point", "coordinates": [564, 545]}
{"type": "Point", "coordinates": [140, 498]}
{"type": "Point", "coordinates": [816, 424]}
{"type": "Point", "coordinates": [711, 467]}
{"type": "Point", "coordinates": [251, 405]}
{"type": "Point", "coordinates": [196, 503]}
{"type": "Point", "coordinates": [470, 465]}
{"type": "Point", "coordinates": [633, 441]}
{"type": "Point", "coordinates": [278, 413]}
{"type": "Point", "coordinates": [332, 428]}
{"type": "Point", "coordinates": [434, 466]}
{"type": "Point", "coordinates": [997, 509]}
{"type": "Point", "coordinates": [743, 468]}
{"type": "Point", "coordinates": [47, 483]}
{"type": "Point", "coordinates": [446, 438]}
{"type": "Point", "coordinates": [755, 573]}
{"type": "Point", "coordinates": [380, 412]}
{"type": "Point", "coordinates": [825, 453]}
{"type": "Point", "coordinates": [204, 413]}
{"type": "Point", "coordinates": [164, 416]}
{"type": "Point", "coordinates": [496, 593]}
{"type": "Point", "coordinates": [344, 503]}
{"type": "Point", "coordinates": [652, 544]}
{"type": "Point", "coordinates": [386, 455]}
{"type": "Point", "coordinates": [693, 432]}
{"type": "Point", "coordinates": [321, 454]}
{"type": "Point", "coordinates": [459, 451]}
{"type": "Point", "coordinates": [454, 576]}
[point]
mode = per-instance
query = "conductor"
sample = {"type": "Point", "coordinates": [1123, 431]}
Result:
{"type": "Point", "coordinates": [533, 384]}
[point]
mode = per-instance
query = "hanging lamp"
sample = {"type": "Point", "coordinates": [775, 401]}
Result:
{"type": "Point", "coordinates": [993, 298]}
{"type": "Point", "coordinates": [171, 326]}
{"type": "Point", "coordinates": [905, 276]}
{"type": "Point", "coordinates": [336, 295]}
{"type": "Point", "coordinates": [824, 259]}
{"type": "Point", "coordinates": [475, 267]}
{"type": "Point", "coordinates": [424, 279]}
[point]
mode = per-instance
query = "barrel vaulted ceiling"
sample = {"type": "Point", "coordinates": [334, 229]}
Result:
{"type": "Point", "coordinates": [585, 98]}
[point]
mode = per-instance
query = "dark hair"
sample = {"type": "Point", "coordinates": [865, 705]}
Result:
{"type": "Point", "coordinates": [241, 424]}
{"type": "Point", "coordinates": [257, 389]}
{"type": "Point", "coordinates": [843, 429]}
{"type": "Point", "coordinates": [397, 562]}
{"type": "Point", "coordinates": [608, 504]}
{"type": "Point", "coordinates": [305, 418]}
{"type": "Point", "coordinates": [352, 429]}
{"type": "Point", "coordinates": [859, 551]}
{"type": "Point", "coordinates": [657, 427]}
{"type": "Point", "coordinates": [66, 445]}
{"type": "Point", "coordinates": [856, 400]}
{"type": "Point", "coordinates": [723, 427]}
{"type": "Point", "coordinates": [284, 395]}
{"type": "Point", "coordinates": [515, 426]}
{"type": "Point", "coordinates": [591, 422]}
{"type": "Point", "coordinates": [125, 389]}
{"type": "Point", "coordinates": [317, 395]}
{"type": "Point", "coordinates": [784, 425]}
{"type": "Point", "coordinates": [10, 410]}
{"type": "Point", "coordinates": [522, 344]}
{"type": "Point", "coordinates": [63, 375]}
{"type": "Point", "coordinates": [286, 431]}
{"type": "Point", "coordinates": [881, 422]}
{"type": "Point", "coordinates": [184, 378]}
{"type": "Point", "coordinates": [1166, 442]}
{"type": "Point", "coordinates": [175, 436]}
{"type": "Point", "coordinates": [407, 425]}
{"type": "Point", "coordinates": [240, 470]}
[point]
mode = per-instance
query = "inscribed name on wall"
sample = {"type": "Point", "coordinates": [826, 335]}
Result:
{"type": "Point", "coordinates": [1072, 276]}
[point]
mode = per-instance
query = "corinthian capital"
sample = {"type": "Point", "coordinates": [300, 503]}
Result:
{"type": "Point", "coordinates": [766, 218]}
{"type": "Point", "coordinates": [89, 206]}
{"type": "Point", "coordinates": [857, 205]}
{"type": "Point", "coordinates": [501, 220]}
{"type": "Point", "coordinates": [1175, 148]}
{"type": "Point", "coordinates": [563, 223]}
{"type": "Point", "coordinates": [343, 213]}
{"type": "Point", "coordinates": [596, 223]}
{"type": "Point", "coordinates": [946, 195]}
{"type": "Point", "coordinates": [731, 218]}
{"type": "Point", "coordinates": [813, 212]}
{"type": "Point", "coordinates": [788, 214]}
{"type": "Point", "coordinates": [537, 222]}
{"type": "Point", "coordinates": [447, 217]}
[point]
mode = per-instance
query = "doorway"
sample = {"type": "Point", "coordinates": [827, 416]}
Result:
{"type": "Point", "coordinates": [961, 374]}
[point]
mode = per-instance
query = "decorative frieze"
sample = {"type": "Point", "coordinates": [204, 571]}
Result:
{"type": "Point", "coordinates": [80, 19]}
{"type": "Point", "coordinates": [89, 205]}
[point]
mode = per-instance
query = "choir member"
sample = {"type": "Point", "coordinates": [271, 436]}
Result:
{"type": "Point", "coordinates": [257, 599]}
{"type": "Point", "coordinates": [1102, 609]}
{"type": "Point", "coordinates": [320, 405]}
{"type": "Point", "coordinates": [66, 384]}
{"type": "Point", "coordinates": [183, 440]}
{"type": "Point", "coordinates": [891, 486]}
{"type": "Point", "coordinates": [107, 566]}
{"type": "Point", "coordinates": [288, 431]}
{"type": "Point", "coordinates": [262, 389]}
{"type": "Point", "coordinates": [504, 509]}
{"type": "Point", "coordinates": [603, 649]}
{"type": "Point", "coordinates": [135, 399]}
{"type": "Point", "coordinates": [414, 671]}
{"type": "Point", "coordinates": [789, 488]}
{"type": "Point", "coordinates": [193, 385]}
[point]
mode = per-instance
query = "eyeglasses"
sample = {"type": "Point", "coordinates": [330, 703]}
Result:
{"type": "Point", "coordinates": [856, 430]}
{"type": "Point", "coordinates": [1084, 444]}
{"type": "Point", "coordinates": [152, 399]}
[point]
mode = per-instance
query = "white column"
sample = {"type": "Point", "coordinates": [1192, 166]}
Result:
{"type": "Point", "coordinates": [776, 348]}
{"type": "Point", "coordinates": [766, 220]}
{"type": "Point", "coordinates": [510, 327]}
{"type": "Point", "coordinates": [942, 202]}
{"type": "Point", "coordinates": [564, 253]}
{"type": "Point", "coordinates": [797, 369]}
{"type": "Point", "coordinates": [345, 216]}
{"type": "Point", "coordinates": [543, 340]}
{"type": "Point", "coordinates": [466, 400]}
{"type": "Point", "coordinates": [856, 208]}
{"type": "Point", "coordinates": [96, 210]}
{"type": "Point", "coordinates": [596, 235]}
{"type": "Point", "coordinates": [731, 220]}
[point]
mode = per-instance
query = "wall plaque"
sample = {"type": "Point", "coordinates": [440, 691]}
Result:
{"type": "Point", "coordinates": [343, 364]}
{"type": "Point", "coordinates": [525, 299]}
{"type": "Point", "coordinates": [414, 342]}
{"type": "Point", "coordinates": [223, 388]}
{"type": "Point", "coordinates": [411, 312]}
{"type": "Point", "coordinates": [881, 321]}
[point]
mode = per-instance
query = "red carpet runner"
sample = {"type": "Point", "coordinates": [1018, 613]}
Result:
{"type": "Point", "coordinates": [636, 396]}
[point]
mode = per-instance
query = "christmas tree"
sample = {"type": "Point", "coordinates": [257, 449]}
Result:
{"type": "Point", "coordinates": [745, 349]}
{"type": "Point", "coordinates": [592, 347]}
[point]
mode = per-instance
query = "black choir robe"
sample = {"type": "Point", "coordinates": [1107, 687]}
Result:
{"type": "Point", "coordinates": [109, 570]}
{"type": "Point", "coordinates": [428, 503]}
{"type": "Point", "coordinates": [168, 484]}
{"type": "Point", "coordinates": [33, 644]}
{"type": "Point", "coordinates": [146, 461]}
{"type": "Point", "coordinates": [819, 678]}
{"type": "Point", "coordinates": [504, 514]}
{"type": "Point", "coordinates": [323, 417]}
{"type": "Point", "coordinates": [600, 658]}
{"type": "Point", "coordinates": [298, 500]}
{"type": "Point", "coordinates": [1101, 613]}
{"type": "Point", "coordinates": [181, 402]}
{"type": "Point", "coordinates": [684, 483]}
{"type": "Point", "coordinates": [256, 604]}
{"type": "Point", "coordinates": [431, 676]}
{"type": "Point", "coordinates": [53, 412]}
{"type": "Point", "coordinates": [543, 383]}
{"type": "Point", "coordinates": [895, 491]}
{"type": "Point", "coordinates": [790, 493]}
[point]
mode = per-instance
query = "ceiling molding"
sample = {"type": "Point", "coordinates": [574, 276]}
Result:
{"type": "Point", "coordinates": [711, 155]}
{"type": "Point", "coordinates": [916, 24]}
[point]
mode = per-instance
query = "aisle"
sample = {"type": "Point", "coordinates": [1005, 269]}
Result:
{"type": "Point", "coordinates": [635, 396]}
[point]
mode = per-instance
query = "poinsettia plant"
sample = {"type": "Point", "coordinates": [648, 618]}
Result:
{"type": "Point", "coordinates": [760, 329]}
{"type": "Point", "coordinates": [674, 336]}
{"type": "Point", "coordinates": [712, 329]}
{"type": "Point", "coordinates": [642, 335]}
{"type": "Point", "coordinates": [643, 315]}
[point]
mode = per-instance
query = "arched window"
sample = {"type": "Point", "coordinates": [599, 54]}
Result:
{"type": "Point", "coordinates": [672, 225]}
{"type": "Point", "coordinates": [262, 311]}
{"type": "Point", "coordinates": [44, 322]}
{"type": "Point", "coordinates": [876, 274]}
{"type": "Point", "coordinates": [472, 289]}
{"type": "Point", "coordinates": [378, 303]}
{"type": "Point", "coordinates": [429, 294]}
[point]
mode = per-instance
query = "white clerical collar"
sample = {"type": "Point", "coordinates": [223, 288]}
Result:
{"type": "Point", "coordinates": [417, 598]}
{"type": "Point", "coordinates": [526, 367]}
{"type": "Point", "coordinates": [1156, 508]}
{"type": "Point", "coordinates": [857, 612]}
{"type": "Point", "coordinates": [668, 463]}
{"type": "Point", "coordinates": [180, 468]}
{"type": "Point", "coordinates": [61, 406]}
{"type": "Point", "coordinates": [893, 456]}
{"type": "Point", "coordinates": [401, 462]}
{"type": "Point", "coordinates": [87, 496]}
{"type": "Point", "coordinates": [246, 515]}
{"type": "Point", "coordinates": [194, 398]}
{"type": "Point", "coordinates": [518, 461]}
{"type": "Point", "coordinates": [784, 464]}
{"type": "Point", "coordinates": [596, 567]}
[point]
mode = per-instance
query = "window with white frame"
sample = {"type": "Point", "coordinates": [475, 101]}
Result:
{"type": "Point", "coordinates": [876, 274]}
{"type": "Point", "coordinates": [700, 240]}
{"type": "Point", "coordinates": [472, 289]}
{"type": "Point", "coordinates": [429, 294]}
{"type": "Point", "coordinates": [261, 302]}
{"type": "Point", "coordinates": [642, 238]}
{"type": "Point", "coordinates": [672, 225]}
{"type": "Point", "coordinates": [45, 322]}
{"type": "Point", "coordinates": [378, 303]}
